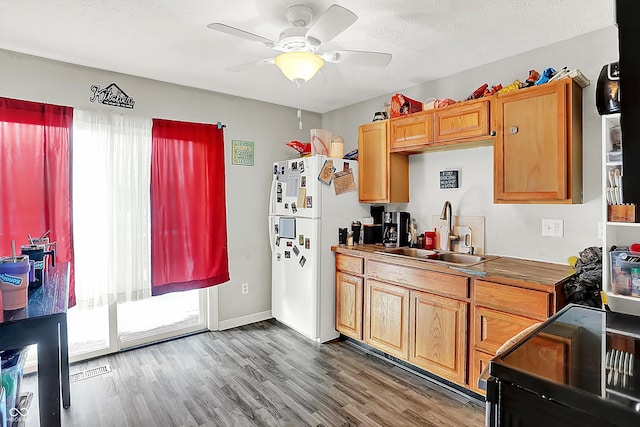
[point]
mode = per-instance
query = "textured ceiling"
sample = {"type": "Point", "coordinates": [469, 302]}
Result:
{"type": "Point", "coordinates": [168, 40]}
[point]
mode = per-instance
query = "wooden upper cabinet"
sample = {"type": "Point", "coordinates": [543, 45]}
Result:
{"type": "Point", "coordinates": [443, 128]}
{"type": "Point", "coordinates": [466, 120]}
{"type": "Point", "coordinates": [538, 149]}
{"type": "Point", "coordinates": [383, 177]}
{"type": "Point", "coordinates": [412, 131]}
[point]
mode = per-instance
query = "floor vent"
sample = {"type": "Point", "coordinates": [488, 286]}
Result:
{"type": "Point", "coordinates": [89, 373]}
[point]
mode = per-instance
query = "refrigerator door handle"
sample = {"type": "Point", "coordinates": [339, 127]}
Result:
{"type": "Point", "coordinates": [271, 233]}
{"type": "Point", "coordinates": [272, 208]}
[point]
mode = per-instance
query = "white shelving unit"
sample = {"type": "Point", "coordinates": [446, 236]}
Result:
{"type": "Point", "coordinates": [615, 233]}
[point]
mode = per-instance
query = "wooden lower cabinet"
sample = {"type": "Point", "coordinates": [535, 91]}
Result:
{"type": "Point", "coordinates": [438, 335]}
{"type": "Point", "coordinates": [349, 294]}
{"type": "Point", "coordinates": [479, 361]}
{"type": "Point", "coordinates": [449, 325]}
{"type": "Point", "coordinates": [387, 318]}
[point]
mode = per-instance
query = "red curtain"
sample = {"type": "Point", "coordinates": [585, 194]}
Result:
{"type": "Point", "coordinates": [35, 174]}
{"type": "Point", "coordinates": [188, 208]}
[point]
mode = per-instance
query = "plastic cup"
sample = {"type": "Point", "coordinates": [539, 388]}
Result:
{"type": "Point", "coordinates": [320, 140]}
{"type": "Point", "coordinates": [14, 281]}
{"type": "Point", "coordinates": [429, 240]}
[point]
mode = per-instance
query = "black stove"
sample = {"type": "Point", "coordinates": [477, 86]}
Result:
{"type": "Point", "coordinates": [580, 367]}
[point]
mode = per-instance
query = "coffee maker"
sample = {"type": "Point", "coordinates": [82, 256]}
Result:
{"type": "Point", "coordinates": [396, 229]}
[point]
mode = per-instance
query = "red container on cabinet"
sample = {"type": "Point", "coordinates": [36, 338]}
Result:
{"type": "Point", "coordinates": [402, 105]}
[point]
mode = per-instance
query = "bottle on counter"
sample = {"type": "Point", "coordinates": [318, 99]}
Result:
{"type": "Point", "coordinates": [635, 282]}
{"type": "Point", "coordinates": [413, 233]}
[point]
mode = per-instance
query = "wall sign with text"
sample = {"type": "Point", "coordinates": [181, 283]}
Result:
{"type": "Point", "coordinates": [242, 153]}
{"type": "Point", "coordinates": [111, 95]}
{"type": "Point", "coordinates": [449, 179]}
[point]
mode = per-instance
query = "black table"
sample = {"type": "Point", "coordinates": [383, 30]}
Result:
{"type": "Point", "coordinates": [580, 367]}
{"type": "Point", "coordinates": [44, 322]}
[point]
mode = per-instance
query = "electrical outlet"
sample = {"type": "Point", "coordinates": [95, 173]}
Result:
{"type": "Point", "coordinates": [245, 288]}
{"type": "Point", "coordinates": [552, 227]}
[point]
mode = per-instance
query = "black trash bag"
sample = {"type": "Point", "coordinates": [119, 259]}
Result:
{"type": "Point", "coordinates": [585, 285]}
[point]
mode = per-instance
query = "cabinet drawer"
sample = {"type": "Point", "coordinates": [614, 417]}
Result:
{"type": "Point", "coordinates": [513, 299]}
{"type": "Point", "coordinates": [442, 283]}
{"type": "Point", "coordinates": [349, 264]}
{"type": "Point", "coordinates": [463, 121]}
{"type": "Point", "coordinates": [493, 328]}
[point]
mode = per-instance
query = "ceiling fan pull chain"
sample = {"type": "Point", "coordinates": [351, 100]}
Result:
{"type": "Point", "coordinates": [299, 106]}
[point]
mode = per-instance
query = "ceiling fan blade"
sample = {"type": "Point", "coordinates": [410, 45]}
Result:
{"type": "Point", "coordinates": [241, 33]}
{"type": "Point", "coordinates": [358, 57]}
{"type": "Point", "coordinates": [332, 22]}
{"type": "Point", "coordinates": [251, 64]}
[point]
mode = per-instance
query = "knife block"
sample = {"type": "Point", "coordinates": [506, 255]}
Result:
{"type": "Point", "coordinates": [622, 213]}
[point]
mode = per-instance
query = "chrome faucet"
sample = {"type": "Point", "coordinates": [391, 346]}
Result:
{"type": "Point", "coordinates": [447, 215]}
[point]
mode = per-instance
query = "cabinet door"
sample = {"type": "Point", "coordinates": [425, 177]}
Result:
{"type": "Point", "coordinates": [349, 293]}
{"type": "Point", "coordinates": [412, 131]}
{"type": "Point", "coordinates": [479, 361]}
{"type": "Point", "coordinates": [531, 156]}
{"type": "Point", "coordinates": [373, 162]}
{"type": "Point", "coordinates": [468, 120]}
{"type": "Point", "coordinates": [382, 177]}
{"type": "Point", "coordinates": [387, 318]}
{"type": "Point", "coordinates": [438, 335]}
{"type": "Point", "coordinates": [545, 355]}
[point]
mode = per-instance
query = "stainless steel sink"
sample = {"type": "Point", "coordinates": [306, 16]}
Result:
{"type": "Point", "coordinates": [412, 252]}
{"type": "Point", "coordinates": [457, 258]}
{"type": "Point", "coordinates": [452, 258]}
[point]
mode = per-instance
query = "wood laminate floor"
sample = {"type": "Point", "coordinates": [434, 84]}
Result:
{"type": "Point", "coordinates": [263, 374]}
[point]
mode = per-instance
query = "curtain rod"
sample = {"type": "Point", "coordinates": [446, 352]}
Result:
{"type": "Point", "coordinates": [221, 125]}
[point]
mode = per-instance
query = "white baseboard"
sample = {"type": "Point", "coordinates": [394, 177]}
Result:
{"type": "Point", "coordinates": [244, 320]}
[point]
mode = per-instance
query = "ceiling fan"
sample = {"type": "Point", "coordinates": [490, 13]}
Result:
{"type": "Point", "coordinates": [301, 43]}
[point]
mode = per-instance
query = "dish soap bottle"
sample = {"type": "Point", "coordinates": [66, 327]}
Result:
{"type": "Point", "coordinates": [413, 233]}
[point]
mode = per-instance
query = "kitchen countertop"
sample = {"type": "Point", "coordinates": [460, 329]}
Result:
{"type": "Point", "coordinates": [500, 269]}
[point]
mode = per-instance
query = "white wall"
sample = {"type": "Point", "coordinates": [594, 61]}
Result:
{"type": "Point", "coordinates": [510, 229]}
{"type": "Point", "coordinates": [267, 125]}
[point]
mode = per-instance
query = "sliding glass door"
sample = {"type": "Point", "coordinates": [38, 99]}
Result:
{"type": "Point", "coordinates": [111, 328]}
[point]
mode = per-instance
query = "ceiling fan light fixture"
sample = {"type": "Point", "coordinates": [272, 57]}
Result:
{"type": "Point", "coordinates": [299, 66]}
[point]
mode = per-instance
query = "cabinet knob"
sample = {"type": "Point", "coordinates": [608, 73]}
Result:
{"type": "Point", "coordinates": [492, 133]}
{"type": "Point", "coordinates": [514, 130]}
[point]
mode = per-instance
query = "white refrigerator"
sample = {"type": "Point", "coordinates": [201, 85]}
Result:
{"type": "Point", "coordinates": [304, 216]}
